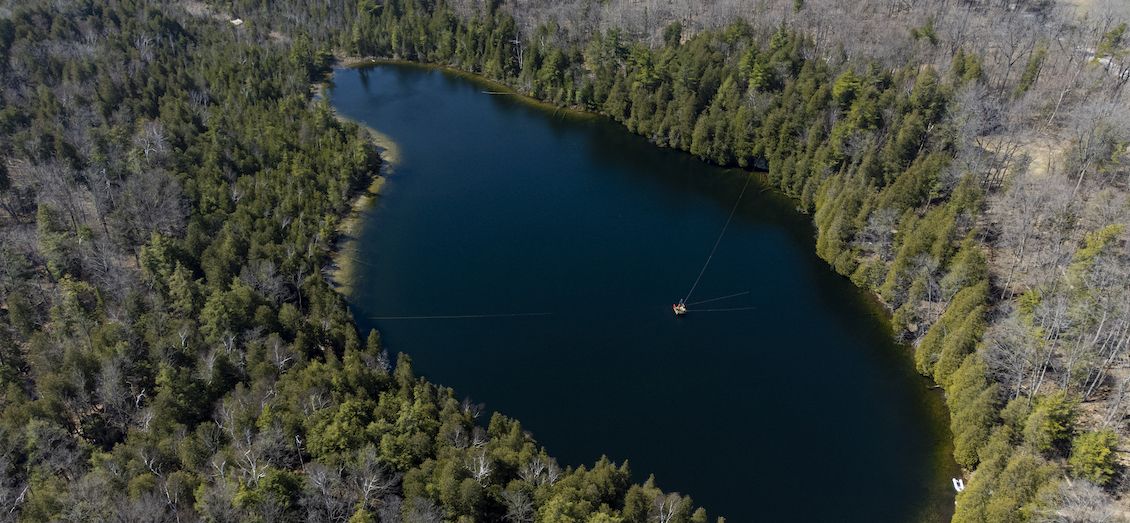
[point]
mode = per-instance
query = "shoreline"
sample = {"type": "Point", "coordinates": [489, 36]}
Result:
{"type": "Point", "coordinates": [494, 87]}
{"type": "Point", "coordinates": [343, 255]}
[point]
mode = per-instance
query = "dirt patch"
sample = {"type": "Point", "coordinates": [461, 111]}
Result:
{"type": "Point", "coordinates": [1041, 152]}
{"type": "Point", "coordinates": [1118, 8]}
{"type": "Point", "coordinates": [202, 10]}
{"type": "Point", "coordinates": [348, 60]}
{"type": "Point", "coordinates": [1043, 155]}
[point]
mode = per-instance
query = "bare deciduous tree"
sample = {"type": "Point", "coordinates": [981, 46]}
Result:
{"type": "Point", "coordinates": [479, 465]}
{"type": "Point", "coordinates": [1080, 501]}
{"type": "Point", "coordinates": [370, 479]}
{"type": "Point", "coordinates": [149, 202]}
{"type": "Point", "coordinates": [667, 507]}
{"type": "Point", "coordinates": [325, 497]}
{"type": "Point", "coordinates": [423, 510]}
{"type": "Point", "coordinates": [519, 507]}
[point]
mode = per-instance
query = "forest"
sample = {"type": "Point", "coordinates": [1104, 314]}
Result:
{"type": "Point", "coordinates": [170, 193]}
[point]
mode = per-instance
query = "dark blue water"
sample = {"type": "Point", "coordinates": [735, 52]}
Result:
{"type": "Point", "coordinates": [799, 409]}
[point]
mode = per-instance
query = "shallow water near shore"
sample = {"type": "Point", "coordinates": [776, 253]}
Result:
{"type": "Point", "coordinates": [797, 407]}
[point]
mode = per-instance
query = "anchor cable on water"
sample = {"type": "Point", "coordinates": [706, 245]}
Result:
{"type": "Point", "coordinates": [718, 299]}
{"type": "Point", "coordinates": [719, 240]}
{"type": "Point", "coordinates": [732, 309]}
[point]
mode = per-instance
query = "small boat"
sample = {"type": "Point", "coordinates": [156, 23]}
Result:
{"type": "Point", "coordinates": [679, 308]}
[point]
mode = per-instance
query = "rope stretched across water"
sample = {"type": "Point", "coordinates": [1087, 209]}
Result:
{"type": "Point", "coordinates": [463, 316]}
{"type": "Point", "coordinates": [718, 299]}
{"type": "Point", "coordinates": [733, 309]}
{"type": "Point", "coordinates": [720, 234]}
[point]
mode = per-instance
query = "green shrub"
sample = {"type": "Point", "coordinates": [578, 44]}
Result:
{"type": "Point", "coordinates": [1093, 457]}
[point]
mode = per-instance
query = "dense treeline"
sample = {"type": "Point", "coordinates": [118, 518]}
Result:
{"type": "Point", "coordinates": [900, 167]}
{"type": "Point", "coordinates": [168, 348]}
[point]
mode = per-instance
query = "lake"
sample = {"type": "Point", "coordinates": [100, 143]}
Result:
{"type": "Point", "coordinates": [565, 239]}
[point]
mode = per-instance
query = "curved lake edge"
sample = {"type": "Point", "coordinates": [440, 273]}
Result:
{"type": "Point", "coordinates": [340, 272]}
{"type": "Point", "coordinates": [938, 415]}
{"type": "Point", "coordinates": [496, 87]}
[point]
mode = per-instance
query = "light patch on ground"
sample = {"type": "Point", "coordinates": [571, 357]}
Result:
{"type": "Point", "coordinates": [1043, 153]}
{"type": "Point", "coordinates": [202, 10]}
{"type": "Point", "coordinates": [1091, 8]}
